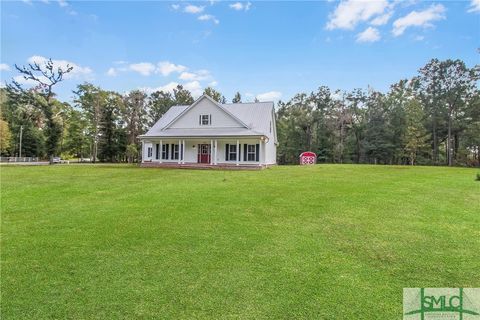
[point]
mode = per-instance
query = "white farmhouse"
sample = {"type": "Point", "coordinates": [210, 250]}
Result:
{"type": "Point", "coordinates": [212, 134]}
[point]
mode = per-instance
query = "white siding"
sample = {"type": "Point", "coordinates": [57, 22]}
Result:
{"type": "Point", "coordinates": [145, 156]}
{"type": "Point", "coordinates": [259, 117]}
{"type": "Point", "coordinates": [267, 150]}
{"type": "Point", "coordinates": [271, 152]}
{"type": "Point", "coordinates": [220, 119]}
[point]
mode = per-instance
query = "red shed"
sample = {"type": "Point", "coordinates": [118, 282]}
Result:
{"type": "Point", "coordinates": [308, 158]}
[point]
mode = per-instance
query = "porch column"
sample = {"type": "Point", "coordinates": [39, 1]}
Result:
{"type": "Point", "coordinates": [216, 148]}
{"type": "Point", "coordinates": [238, 151]}
{"type": "Point", "coordinates": [183, 151]}
{"type": "Point", "coordinates": [143, 152]}
{"type": "Point", "coordinates": [160, 151]}
{"type": "Point", "coordinates": [211, 152]}
{"type": "Point", "coordinates": [260, 150]}
{"type": "Point", "coordinates": [179, 144]}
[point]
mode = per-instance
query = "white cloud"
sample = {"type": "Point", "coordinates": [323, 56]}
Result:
{"type": "Point", "coordinates": [382, 19]}
{"type": "Point", "coordinates": [77, 71]}
{"type": "Point", "coordinates": [29, 2]}
{"type": "Point", "coordinates": [350, 12]}
{"type": "Point", "coordinates": [269, 96]}
{"type": "Point", "coordinates": [419, 38]}
{"type": "Point", "coordinates": [369, 35]}
{"type": "Point", "coordinates": [111, 72]}
{"type": "Point", "coordinates": [187, 76]}
{"type": "Point", "coordinates": [199, 75]}
{"type": "Point", "coordinates": [474, 6]}
{"type": "Point", "coordinates": [240, 6]}
{"type": "Point", "coordinates": [213, 83]}
{"type": "Point", "coordinates": [144, 68]}
{"type": "Point", "coordinates": [166, 88]}
{"type": "Point", "coordinates": [4, 67]}
{"type": "Point", "coordinates": [193, 9]}
{"type": "Point", "coordinates": [207, 17]}
{"type": "Point", "coordinates": [175, 6]}
{"type": "Point", "coordinates": [166, 67]}
{"type": "Point", "coordinates": [66, 5]}
{"type": "Point", "coordinates": [419, 19]}
{"type": "Point", "coordinates": [62, 3]}
{"type": "Point", "coordinates": [194, 87]}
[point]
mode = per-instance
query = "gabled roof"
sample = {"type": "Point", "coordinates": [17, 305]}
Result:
{"type": "Point", "coordinates": [171, 114]}
{"type": "Point", "coordinates": [204, 96]}
{"type": "Point", "coordinates": [257, 115]}
{"type": "Point", "coordinates": [256, 118]}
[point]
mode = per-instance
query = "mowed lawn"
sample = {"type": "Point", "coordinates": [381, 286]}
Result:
{"type": "Point", "coordinates": [290, 242]}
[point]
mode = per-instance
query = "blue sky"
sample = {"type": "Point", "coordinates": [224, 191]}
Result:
{"type": "Point", "coordinates": [271, 50]}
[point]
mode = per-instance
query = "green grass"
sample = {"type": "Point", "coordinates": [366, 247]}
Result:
{"type": "Point", "coordinates": [323, 242]}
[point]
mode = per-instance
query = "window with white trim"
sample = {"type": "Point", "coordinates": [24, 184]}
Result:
{"type": "Point", "coordinates": [251, 152]}
{"type": "Point", "coordinates": [165, 152]}
{"type": "Point", "coordinates": [175, 149]}
{"type": "Point", "coordinates": [232, 152]}
{"type": "Point", "coordinates": [149, 152]}
{"type": "Point", "coordinates": [205, 119]}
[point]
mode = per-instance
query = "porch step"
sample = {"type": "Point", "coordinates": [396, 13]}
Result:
{"type": "Point", "coordinates": [202, 166]}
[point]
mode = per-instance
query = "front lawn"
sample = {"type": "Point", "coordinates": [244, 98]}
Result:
{"type": "Point", "coordinates": [290, 242]}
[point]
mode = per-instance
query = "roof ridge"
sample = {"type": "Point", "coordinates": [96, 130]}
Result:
{"type": "Point", "coordinates": [230, 103]}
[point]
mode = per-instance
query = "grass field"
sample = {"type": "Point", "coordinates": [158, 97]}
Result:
{"type": "Point", "coordinates": [323, 242]}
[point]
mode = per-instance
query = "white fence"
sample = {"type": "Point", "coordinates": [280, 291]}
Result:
{"type": "Point", "coordinates": [19, 159]}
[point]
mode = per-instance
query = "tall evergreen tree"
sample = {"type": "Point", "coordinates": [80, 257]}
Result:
{"type": "Point", "coordinates": [182, 96]}
{"type": "Point", "coordinates": [356, 105]}
{"type": "Point", "coordinates": [158, 104]}
{"type": "Point", "coordinates": [109, 144]}
{"type": "Point", "coordinates": [416, 136]}
{"type": "Point", "coordinates": [378, 145]}
{"type": "Point", "coordinates": [237, 98]}
{"type": "Point", "coordinates": [76, 141]}
{"type": "Point", "coordinates": [134, 115]}
{"type": "Point", "coordinates": [215, 95]}
{"type": "Point", "coordinates": [91, 100]}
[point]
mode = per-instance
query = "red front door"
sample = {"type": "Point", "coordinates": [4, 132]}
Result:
{"type": "Point", "coordinates": [203, 153]}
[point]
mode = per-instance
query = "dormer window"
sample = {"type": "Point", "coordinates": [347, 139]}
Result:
{"type": "Point", "coordinates": [205, 119]}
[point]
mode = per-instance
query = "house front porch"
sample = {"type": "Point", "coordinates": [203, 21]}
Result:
{"type": "Point", "coordinates": [205, 153]}
{"type": "Point", "coordinates": [202, 166]}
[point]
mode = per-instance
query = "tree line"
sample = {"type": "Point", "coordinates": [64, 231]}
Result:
{"type": "Point", "coordinates": [433, 118]}
{"type": "Point", "coordinates": [430, 119]}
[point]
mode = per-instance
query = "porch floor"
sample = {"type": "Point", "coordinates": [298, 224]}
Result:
{"type": "Point", "coordinates": [203, 166]}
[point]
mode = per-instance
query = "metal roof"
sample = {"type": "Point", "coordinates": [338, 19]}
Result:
{"type": "Point", "coordinates": [208, 132]}
{"type": "Point", "coordinates": [257, 116]}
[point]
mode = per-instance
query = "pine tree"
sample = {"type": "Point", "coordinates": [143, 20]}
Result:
{"type": "Point", "coordinates": [182, 96]}
{"type": "Point", "coordinates": [215, 95]}
{"type": "Point", "coordinates": [158, 104]}
{"type": "Point", "coordinates": [416, 136]}
{"type": "Point", "coordinates": [237, 98]}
